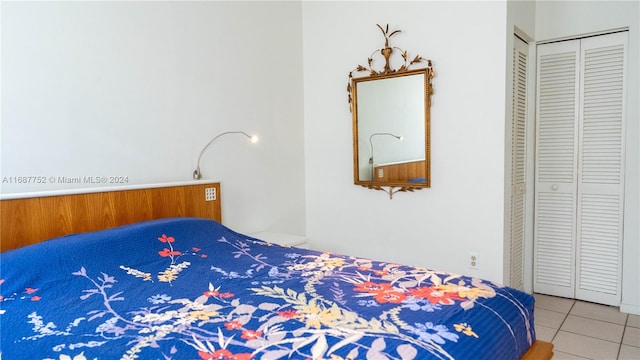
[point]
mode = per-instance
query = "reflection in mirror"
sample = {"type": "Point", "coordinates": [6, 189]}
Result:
{"type": "Point", "coordinates": [391, 128]}
{"type": "Point", "coordinates": [371, 163]}
{"type": "Point", "coordinates": [391, 120]}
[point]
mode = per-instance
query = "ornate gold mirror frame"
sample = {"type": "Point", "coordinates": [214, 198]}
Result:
{"type": "Point", "coordinates": [388, 105]}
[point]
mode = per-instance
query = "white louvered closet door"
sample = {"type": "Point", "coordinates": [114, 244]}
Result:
{"type": "Point", "coordinates": [518, 163]}
{"type": "Point", "coordinates": [580, 168]}
{"type": "Point", "coordinates": [556, 168]}
{"type": "Point", "coordinates": [601, 169]}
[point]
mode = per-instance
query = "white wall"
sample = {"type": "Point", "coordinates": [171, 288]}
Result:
{"type": "Point", "coordinates": [564, 19]}
{"type": "Point", "coordinates": [463, 210]}
{"type": "Point", "coordinates": [136, 89]}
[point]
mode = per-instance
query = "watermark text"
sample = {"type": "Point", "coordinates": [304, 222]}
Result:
{"type": "Point", "coordinates": [35, 179]}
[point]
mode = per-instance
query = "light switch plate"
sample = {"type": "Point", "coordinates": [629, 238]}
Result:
{"type": "Point", "coordinates": [210, 194]}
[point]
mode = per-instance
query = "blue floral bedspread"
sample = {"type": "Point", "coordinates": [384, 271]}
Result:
{"type": "Point", "coordinates": [189, 288]}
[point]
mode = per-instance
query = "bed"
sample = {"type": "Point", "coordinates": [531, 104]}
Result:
{"type": "Point", "coordinates": [183, 287]}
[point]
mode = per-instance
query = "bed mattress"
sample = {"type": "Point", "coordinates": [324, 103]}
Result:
{"type": "Point", "coordinates": [188, 288]}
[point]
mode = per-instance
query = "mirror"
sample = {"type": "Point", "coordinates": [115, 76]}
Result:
{"type": "Point", "coordinates": [391, 118]}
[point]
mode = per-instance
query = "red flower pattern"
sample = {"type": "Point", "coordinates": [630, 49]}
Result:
{"type": "Point", "coordinates": [382, 293]}
{"type": "Point", "coordinates": [251, 334]}
{"type": "Point", "coordinates": [216, 293]}
{"type": "Point", "coordinates": [223, 354]}
{"type": "Point", "coordinates": [394, 297]}
{"type": "Point", "coordinates": [288, 314]}
{"type": "Point", "coordinates": [372, 287]}
{"type": "Point", "coordinates": [166, 252]}
{"type": "Point", "coordinates": [435, 295]}
{"type": "Point", "coordinates": [166, 239]}
{"type": "Point", "coordinates": [233, 325]}
{"type": "Point", "coordinates": [211, 293]}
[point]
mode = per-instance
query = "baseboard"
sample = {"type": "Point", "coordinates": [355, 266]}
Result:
{"type": "Point", "coordinates": [630, 308]}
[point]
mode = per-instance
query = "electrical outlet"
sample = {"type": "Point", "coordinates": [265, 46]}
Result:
{"type": "Point", "coordinates": [380, 173]}
{"type": "Point", "coordinates": [210, 194]}
{"type": "Point", "coordinates": [473, 261]}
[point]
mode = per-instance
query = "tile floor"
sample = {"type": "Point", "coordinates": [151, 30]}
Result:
{"type": "Point", "coordinates": [583, 330]}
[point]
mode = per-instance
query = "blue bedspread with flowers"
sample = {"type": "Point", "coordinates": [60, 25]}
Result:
{"type": "Point", "coordinates": [189, 288]}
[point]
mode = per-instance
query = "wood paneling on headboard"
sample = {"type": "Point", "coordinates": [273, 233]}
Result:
{"type": "Point", "coordinates": [28, 221]}
{"type": "Point", "coordinates": [401, 171]}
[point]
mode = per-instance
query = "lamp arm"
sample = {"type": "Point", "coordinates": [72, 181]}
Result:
{"type": "Point", "coordinates": [371, 148]}
{"type": "Point", "coordinates": [196, 173]}
{"type": "Point", "coordinates": [399, 137]}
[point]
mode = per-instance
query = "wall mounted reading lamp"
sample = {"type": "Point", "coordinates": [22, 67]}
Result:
{"type": "Point", "coordinates": [399, 137]}
{"type": "Point", "coordinates": [196, 173]}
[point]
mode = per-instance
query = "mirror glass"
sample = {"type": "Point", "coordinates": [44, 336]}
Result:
{"type": "Point", "coordinates": [391, 129]}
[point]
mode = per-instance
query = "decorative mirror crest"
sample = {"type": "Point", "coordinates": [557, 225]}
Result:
{"type": "Point", "coordinates": [386, 53]}
{"type": "Point", "coordinates": [391, 105]}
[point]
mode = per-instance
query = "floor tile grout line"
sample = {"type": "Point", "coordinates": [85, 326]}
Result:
{"type": "Point", "coordinates": [612, 342]}
{"type": "Point", "coordinates": [629, 319]}
{"type": "Point", "coordinates": [600, 320]}
{"type": "Point", "coordinates": [621, 339]}
{"type": "Point", "coordinates": [563, 320]}
{"type": "Point", "coordinates": [635, 347]}
{"type": "Point", "coordinates": [625, 327]}
{"type": "Point", "coordinates": [592, 337]}
{"type": "Point", "coordinates": [586, 317]}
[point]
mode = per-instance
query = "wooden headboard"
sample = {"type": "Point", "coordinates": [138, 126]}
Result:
{"type": "Point", "coordinates": [30, 220]}
{"type": "Point", "coordinates": [400, 171]}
